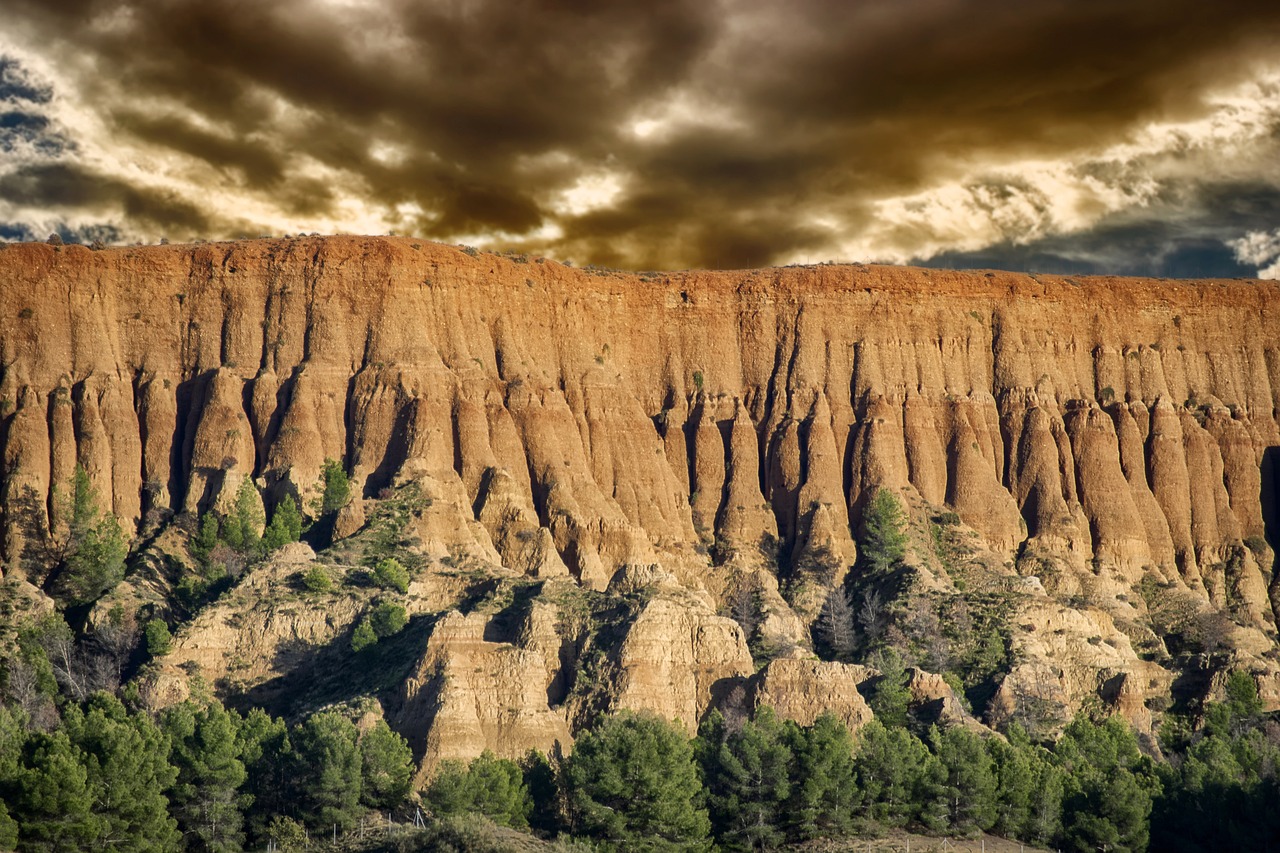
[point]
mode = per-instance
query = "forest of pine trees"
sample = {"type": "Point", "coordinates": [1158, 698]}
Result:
{"type": "Point", "coordinates": [84, 765]}
{"type": "Point", "coordinates": [103, 773]}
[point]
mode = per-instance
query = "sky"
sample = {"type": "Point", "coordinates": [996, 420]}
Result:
{"type": "Point", "coordinates": [1133, 137]}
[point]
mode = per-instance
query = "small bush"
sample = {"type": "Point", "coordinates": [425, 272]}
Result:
{"type": "Point", "coordinates": [316, 579]}
{"type": "Point", "coordinates": [388, 618]}
{"type": "Point", "coordinates": [337, 487]}
{"type": "Point", "coordinates": [389, 574]}
{"type": "Point", "coordinates": [364, 637]}
{"type": "Point", "coordinates": [159, 640]}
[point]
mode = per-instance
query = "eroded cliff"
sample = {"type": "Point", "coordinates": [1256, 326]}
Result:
{"type": "Point", "coordinates": [711, 436]}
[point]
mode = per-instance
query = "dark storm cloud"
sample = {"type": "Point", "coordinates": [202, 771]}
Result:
{"type": "Point", "coordinates": [68, 187]}
{"type": "Point", "coordinates": [1173, 238]}
{"type": "Point", "coordinates": [800, 114]}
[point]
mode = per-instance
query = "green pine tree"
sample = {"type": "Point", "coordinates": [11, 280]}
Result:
{"type": "Point", "coordinates": [337, 487]}
{"type": "Point", "coordinates": [822, 794]}
{"type": "Point", "coordinates": [127, 759]}
{"type": "Point", "coordinates": [1015, 767]}
{"type": "Point", "coordinates": [159, 640]}
{"type": "Point", "coordinates": [891, 698]}
{"type": "Point", "coordinates": [95, 549]}
{"type": "Point", "coordinates": [895, 776]}
{"type": "Point", "coordinates": [884, 540]}
{"type": "Point", "coordinates": [386, 767]}
{"type": "Point", "coordinates": [285, 526]}
{"type": "Point", "coordinates": [54, 802]}
{"type": "Point", "coordinates": [389, 574]}
{"type": "Point", "coordinates": [268, 757]}
{"type": "Point", "coordinates": [207, 797]}
{"type": "Point", "coordinates": [329, 770]}
{"type": "Point", "coordinates": [206, 539]}
{"type": "Point", "coordinates": [544, 792]}
{"type": "Point", "coordinates": [1108, 785]}
{"type": "Point", "coordinates": [242, 529]}
{"type": "Point", "coordinates": [969, 784]}
{"type": "Point", "coordinates": [363, 637]}
{"type": "Point", "coordinates": [490, 786]}
{"type": "Point", "coordinates": [748, 779]}
{"type": "Point", "coordinates": [388, 618]}
{"type": "Point", "coordinates": [633, 779]}
{"type": "Point", "coordinates": [13, 739]}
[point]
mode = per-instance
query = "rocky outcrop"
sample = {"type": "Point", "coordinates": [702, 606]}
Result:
{"type": "Point", "coordinates": [468, 694]}
{"type": "Point", "coordinates": [677, 657]}
{"type": "Point", "coordinates": [804, 689]}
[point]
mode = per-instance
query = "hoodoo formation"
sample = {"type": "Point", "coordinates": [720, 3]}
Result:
{"type": "Point", "coordinates": [1092, 453]}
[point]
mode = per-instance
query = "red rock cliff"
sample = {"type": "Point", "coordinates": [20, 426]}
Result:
{"type": "Point", "coordinates": [1127, 423]}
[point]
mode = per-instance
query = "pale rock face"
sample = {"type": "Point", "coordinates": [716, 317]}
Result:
{"type": "Point", "coordinates": [677, 657]}
{"type": "Point", "coordinates": [468, 694]}
{"type": "Point", "coordinates": [932, 697]}
{"type": "Point", "coordinates": [1068, 656]}
{"type": "Point", "coordinates": [803, 690]}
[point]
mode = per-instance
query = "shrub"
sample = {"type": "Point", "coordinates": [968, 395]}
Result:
{"type": "Point", "coordinates": [388, 618]}
{"type": "Point", "coordinates": [389, 574]}
{"type": "Point", "coordinates": [159, 640]}
{"type": "Point", "coordinates": [363, 637]}
{"type": "Point", "coordinates": [316, 579]}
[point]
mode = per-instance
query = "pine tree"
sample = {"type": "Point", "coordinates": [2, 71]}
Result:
{"type": "Point", "coordinates": [96, 548]}
{"type": "Point", "coordinates": [1015, 769]}
{"type": "Point", "coordinates": [544, 792]}
{"type": "Point", "coordinates": [386, 767]}
{"type": "Point", "coordinates": [895, 776]}
{"type": "Point", "coordinates": [207, 796]}
{"type": "Point", "coordinates": [969, 783]}
{"type": "Point", "coordinates": [285, 526]}
{"type": "Point", "coordinates": [363, 636]}
{"type": "Point", "coordinates": [159, 640]}
{"type": "Point", "coordinates": [206, 539]}
{"type": "Point", "coordinates": [490, 786]}
{"type": "Point", "coordinates": [1108, 786]}
{"type": "Point", "coordinates": [388, 618]}
{"type": "Point", "coordinates": [337, 487]}
{"type": "Point", "coordinates": [634, 778]}
{"type": "Point", "coordinates": [329, 767]}
{"type": "Point", "coordinates": [127, 759]}
{"type": "Point", "coordinates": [242, 529]}
{"type": "Point", "coordinates": [54, 804]}
{"type": "Point", "coordinates": [748, 779]}
{"type": "Point", "coordinates": [822, 794]}
{"type": "Point", "coordinates": [267, 754]}
{"type": "Point", "coordinates": [13, 738]}
{"type": "Point", "coordinates": [884, 540]}
{"type": "Point", "coordinates": [891, 698]}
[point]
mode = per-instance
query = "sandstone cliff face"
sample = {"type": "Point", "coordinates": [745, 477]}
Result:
{"type": "Point", "coordinates": [1126, 421]}
{"type": "Point", "coordinates": [689, 427]}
